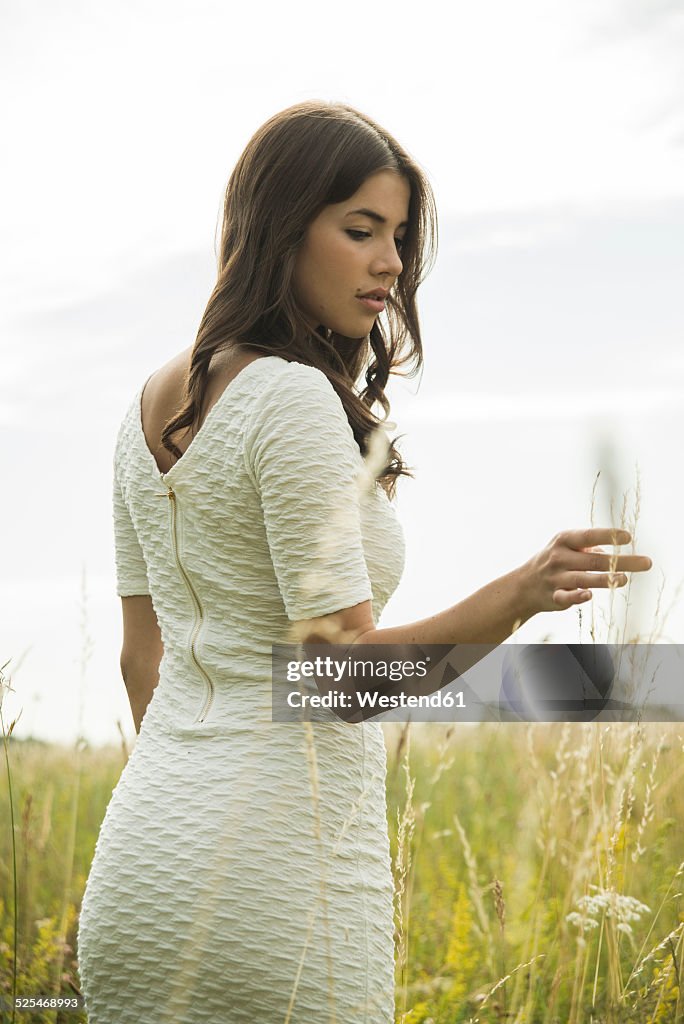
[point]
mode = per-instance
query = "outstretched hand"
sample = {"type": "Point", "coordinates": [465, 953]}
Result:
{"type": "Point", "coordinates": [572, 563]}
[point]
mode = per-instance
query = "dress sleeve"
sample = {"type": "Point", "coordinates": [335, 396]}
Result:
{"type": "Point", "coordinates": [304, 462]}
{"type": "Point", "coordinates": [131, 571]}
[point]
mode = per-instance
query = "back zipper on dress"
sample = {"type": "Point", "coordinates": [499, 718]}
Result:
{"type": "Point", "coordinates": [173, 500]}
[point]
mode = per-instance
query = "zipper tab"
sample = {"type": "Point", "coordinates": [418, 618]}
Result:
{"type": "Point", "coordinates": [199, 613]}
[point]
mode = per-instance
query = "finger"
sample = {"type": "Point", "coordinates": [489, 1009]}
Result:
{"type": "Point", "coordinates": [568, 598]}
{"type": "Point", "coordinates": [610, 563]}
{"type": "Point", "coordinates": [586, 580]}
{"type": "Point", "coordinates": [579, 539]}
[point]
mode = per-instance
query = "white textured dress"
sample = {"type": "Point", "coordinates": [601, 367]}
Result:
{"type": "Point", "coordinates": [242, 871]}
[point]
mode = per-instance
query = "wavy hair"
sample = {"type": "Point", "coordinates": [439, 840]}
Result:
{"type": "Point", "coordinates": [302, 159]}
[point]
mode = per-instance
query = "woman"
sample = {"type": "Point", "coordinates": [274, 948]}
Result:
{"type": "Point", "coordinates": [242, 872]}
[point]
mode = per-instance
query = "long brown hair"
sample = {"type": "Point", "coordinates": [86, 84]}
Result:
{"type": "Point", "coordinates": [302, 159]}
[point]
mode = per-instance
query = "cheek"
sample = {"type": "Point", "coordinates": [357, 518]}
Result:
{"type": "Point", "coordinates": [326, 267]}
{"type": "Point", "coordinates": [339, 261]}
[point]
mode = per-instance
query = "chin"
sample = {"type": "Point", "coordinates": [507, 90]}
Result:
{"type": "Point", "coordinates": [345, 333]}
{"type": "Point", "coordinates": [356, 333]}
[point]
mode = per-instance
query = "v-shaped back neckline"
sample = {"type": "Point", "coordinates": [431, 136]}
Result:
{"type": "Point", "coordinates": [210, 414]}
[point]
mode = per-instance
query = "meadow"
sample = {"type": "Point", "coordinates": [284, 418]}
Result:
{"type": "Point", "coordinates": [537, 867]}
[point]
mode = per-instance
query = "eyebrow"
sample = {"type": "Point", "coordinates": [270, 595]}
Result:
{"type": "Point", "coordinates": [374, 216]}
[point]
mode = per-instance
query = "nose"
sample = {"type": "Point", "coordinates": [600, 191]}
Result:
{"type": "Point", "coordinates": [388, 262]}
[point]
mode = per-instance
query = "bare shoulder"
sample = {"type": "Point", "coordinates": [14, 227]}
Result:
{"type": "Point", "coordinates": [165, 387]}
{"type": "Point", "coordinates": [170, 372]}
{"type": "Point", "coordinates": [175, 368]}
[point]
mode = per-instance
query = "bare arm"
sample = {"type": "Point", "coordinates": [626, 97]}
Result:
{"type": "Point", "coordinates": [552, 580]}
{"type": "Point", "coordinates": [141, 653]}
{"type": "Point", "coordinates": [140, 680]}
{"type": "Point", "coordinates": [488, 616]}
{"type": "Point", "coordinates": [558, 577]}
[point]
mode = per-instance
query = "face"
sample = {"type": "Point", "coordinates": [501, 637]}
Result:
{"type": "Point", "coordinates": [351, 249]}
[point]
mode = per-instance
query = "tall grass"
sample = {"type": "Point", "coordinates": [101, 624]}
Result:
{"type": "Point", "coordinates": [518, 850]}
{"type": "Point", "coordinates": [547, 868]}
{"type": "Point", "coordinates": [5, 686]}
{"type": "Point", "coordinates": [538, 868]}
{"type": "Point", "coordinates": [48, 853]}
{"type": "Point", "coordinates": [546, 882]}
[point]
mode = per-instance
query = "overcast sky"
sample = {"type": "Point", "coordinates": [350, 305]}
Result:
{"type": "Point", "coordinates": [553, 134]}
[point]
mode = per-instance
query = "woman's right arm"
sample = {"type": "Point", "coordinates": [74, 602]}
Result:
{"type": "Point", "coordinates": [553, 580]}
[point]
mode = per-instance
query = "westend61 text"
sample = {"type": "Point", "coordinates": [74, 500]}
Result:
{"type": "Point", "coordinates": [373, 699]}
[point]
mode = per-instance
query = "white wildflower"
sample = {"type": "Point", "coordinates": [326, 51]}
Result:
{"type": "Point", "coordinates": [607, 902]}
{"type": "Point", "coordinates": [582, 922]}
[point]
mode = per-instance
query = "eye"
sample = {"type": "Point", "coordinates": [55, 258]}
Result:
{"type": "Point", "coordinates": [358, 235]}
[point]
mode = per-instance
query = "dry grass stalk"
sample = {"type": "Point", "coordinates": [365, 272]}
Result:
{"type": "Point", "coordinates": [475, 892]}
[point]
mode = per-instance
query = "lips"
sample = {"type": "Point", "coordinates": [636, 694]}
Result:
{"type": "Point", "coordinates": [374, 305]}
{"type": "Point", "coordinates": [374, 300]}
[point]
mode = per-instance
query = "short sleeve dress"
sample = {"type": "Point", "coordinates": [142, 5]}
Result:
{"type": "Point", "coordinates": [242, 871]}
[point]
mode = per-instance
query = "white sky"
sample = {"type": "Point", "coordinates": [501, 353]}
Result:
{"type": "Point", "coordinates": [553, 134]}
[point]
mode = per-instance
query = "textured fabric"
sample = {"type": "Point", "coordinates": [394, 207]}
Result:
{"type": "Point", "coordinates": [242, 871]}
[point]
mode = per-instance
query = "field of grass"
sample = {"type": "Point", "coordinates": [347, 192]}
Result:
{"type": "Point", "coordinates": [548, 855]}
{"type": "Point", "coordinates": [538, 870]}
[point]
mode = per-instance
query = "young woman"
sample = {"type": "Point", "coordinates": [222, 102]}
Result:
{"type": "Point", "coordinates": [242, 871]}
